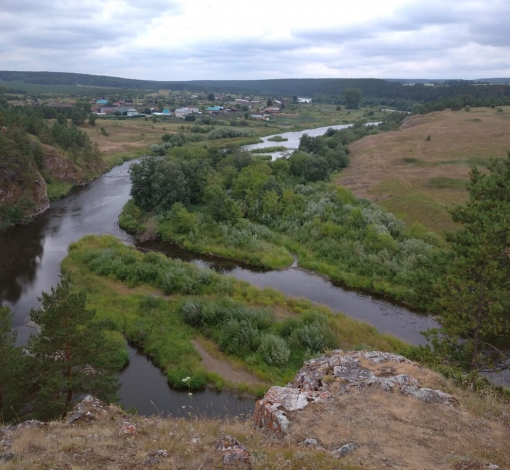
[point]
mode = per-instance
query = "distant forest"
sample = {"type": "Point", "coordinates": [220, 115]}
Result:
{"type": "Point", "coordinates": [315, 88]}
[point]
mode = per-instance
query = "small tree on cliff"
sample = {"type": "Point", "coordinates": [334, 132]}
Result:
{"type": "Point", "coordinates": [473, 295]}
{"type": "Point", "coordinates": [71, 353]}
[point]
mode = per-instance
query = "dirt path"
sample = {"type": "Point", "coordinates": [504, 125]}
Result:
{"type": "Point", "coordinates": [223, 368]}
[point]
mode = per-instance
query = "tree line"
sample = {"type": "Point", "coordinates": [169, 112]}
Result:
{"type": "Point", "coordinates": [330, 89]}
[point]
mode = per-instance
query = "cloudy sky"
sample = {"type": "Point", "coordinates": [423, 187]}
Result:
{"type": "Point", "coordinates": [227, 39]}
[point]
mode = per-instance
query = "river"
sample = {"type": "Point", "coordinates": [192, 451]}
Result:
{"type": "Point", "coordinates": [30, 258]}
{"type": "Point", "coordinates": [292, 142]}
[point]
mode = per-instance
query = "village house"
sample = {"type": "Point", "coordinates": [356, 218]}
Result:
{"type": "Point", "coordinates": [128, 111]}
{"type": "Point", "coordinates": [304, 100]}
{"type": "Point", "coordinates": [165, 113]}
{"type": "Point", "coordinates": [108, 109]}
{"type": "Point", "coordinates": [272, 110]}
{"type": "Point", "coordinates": [214, 109]}
{"type": "Point", "coordinates": [182, 112]}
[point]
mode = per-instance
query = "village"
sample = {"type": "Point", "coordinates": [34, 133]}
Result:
{"type": "Point", "coordinates": [164, 104]}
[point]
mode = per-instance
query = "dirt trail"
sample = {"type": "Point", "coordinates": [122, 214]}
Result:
{"type": "Point", "coordinates": [223, 368]}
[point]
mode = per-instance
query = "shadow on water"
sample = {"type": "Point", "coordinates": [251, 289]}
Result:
{"type": "Point", "coordinates": [145, 388]}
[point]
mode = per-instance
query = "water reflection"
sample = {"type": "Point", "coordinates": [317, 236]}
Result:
{"type": "Point", "coordinates": [145, 388]}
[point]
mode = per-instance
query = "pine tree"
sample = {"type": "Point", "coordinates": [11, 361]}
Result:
{"type": "Point", "coordinates": [473, 296]}
{"type": "Point", "coordinates": [13, 368]}
{"type": "Point", "coordinates": [71, 354]}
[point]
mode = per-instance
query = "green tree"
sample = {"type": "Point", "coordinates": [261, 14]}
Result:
{"type": "Point", "coordinates": [92, 119]}
{"type": "Point", "coordinates": [473, 295]}
{"type": "Point", "coordinates": [61, 119]}
{"type": "Point", "coordinates": [269, 102]}
{"type": "Point", "coordinates": [142, 174]}
{"type": "Point", "coordinates": [77, 117]}
{"type": "Point", "coordinates": [72, 356]}
{"type": "Point", "coordinates": [220, 206]}
{"type": "Point", "coordinates": [352, 97]}
{"type": "Point", "coordinates": [13, 370]}
{"type": "Point", "coordinates": [210, 97]}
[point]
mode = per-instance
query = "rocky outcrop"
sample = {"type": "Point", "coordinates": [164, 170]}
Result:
{"type": "Point", "coordinates": [59, 167]}
{"type": "Point", "coordinates": [24, 190]}
{"type": "Point", "coordinates": [39, 196]}
{"type": "Point", "coordinates": [337, 374]}
{"type": "Point", "coordinates": [23, 193]}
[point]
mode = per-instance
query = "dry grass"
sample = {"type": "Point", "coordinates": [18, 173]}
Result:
{"type": "Point", "coordinates": [419, 178]}
{"type": "Point", "coordinates": [190, 444]}
{"type": "Point", "coordinates": [129, 135]}
{"type": "Point", "coordinates": [388, 429]}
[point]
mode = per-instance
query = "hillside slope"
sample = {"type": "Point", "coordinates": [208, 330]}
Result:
{"type": "Point", "coordinates": [421, 170]}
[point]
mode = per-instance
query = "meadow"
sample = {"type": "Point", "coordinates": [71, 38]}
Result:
{"type": "Point", "coordinates": [420, 171]}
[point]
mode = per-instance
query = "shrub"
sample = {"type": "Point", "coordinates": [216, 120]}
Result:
{"type": "Point", "coordinates": [237, 336]}
{"type": "Point", "coordinates": [274, 350]}
{"type": "Point", "coordinates": [191, 311]}
{"type": "Point", "coordinates": [310, 337]}
{"type": "Point", "coordinates": [227, 132]}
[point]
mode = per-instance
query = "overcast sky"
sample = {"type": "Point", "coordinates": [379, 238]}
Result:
{"type": "Point", "coordinates": [242, 39]}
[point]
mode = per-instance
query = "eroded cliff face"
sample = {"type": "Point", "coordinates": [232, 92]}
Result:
{"type": "Point", "coordinates": [23, 188]}
{"type": "Point", "coordinates": [58, 167]}
{"type": "Point", "coordinates": [23, 193]}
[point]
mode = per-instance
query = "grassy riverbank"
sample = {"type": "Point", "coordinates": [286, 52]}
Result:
{"type": "Point", "coordinates": [162, 304]}
{"type": "Point", "coordinates": [252, 244]}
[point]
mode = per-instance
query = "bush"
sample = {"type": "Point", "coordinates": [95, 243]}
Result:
{"type": "Point", "coordinates": [191, 311]}
{"type": "Point", "coordinates": [228, 132]}
{"type": "Point", "coordinates": [274, 350]}
{"type": "Point", "coordinates": [237, 336]}
{"type": "Point", "coordinates": [310, 337]}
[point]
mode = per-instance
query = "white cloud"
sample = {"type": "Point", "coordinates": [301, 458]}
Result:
{"type": "Point", "coordinates": [226, 39]}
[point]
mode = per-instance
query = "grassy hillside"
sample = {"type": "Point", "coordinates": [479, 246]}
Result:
{"type": "Point", "coordinates": [421, 170]}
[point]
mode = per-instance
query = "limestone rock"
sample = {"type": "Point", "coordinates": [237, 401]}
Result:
{"type": "Point", "coordinates": [344, 450]}
{"type": "Point", "coordinates": [235, 453]}
{"type": "Point", "coordinates": [357, 369]}
{"type": "Point", "coordinates": [87, 410]}
{"type": "Point", "coordinates": [128, 428]}
{"type": "Point", "coordinates": [271, 411]}
{"type": "Point", "coordinates": [310, 442]}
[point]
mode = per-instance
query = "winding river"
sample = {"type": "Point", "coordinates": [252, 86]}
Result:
{"type": "Point", "coordinates": [30, 258]}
